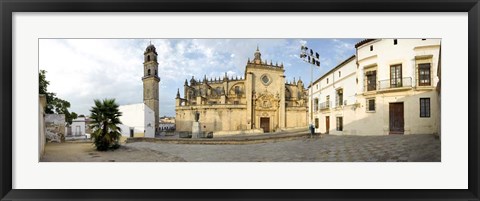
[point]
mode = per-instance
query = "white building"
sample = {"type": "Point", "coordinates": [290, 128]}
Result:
{"type": "Point", "coordinates": [334, 97]}
{"type": "Point", "coordinates": [138, 120]}
{"type": "Point", "coordinates": [388, 87]}
{"type": "Point", "coordinates": [77, 130]}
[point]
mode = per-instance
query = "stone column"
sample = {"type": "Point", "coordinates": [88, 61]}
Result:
{"type": "Point", "coordinates": [248, 97]}
{"type": "Point", "coordinates": [282, 110]}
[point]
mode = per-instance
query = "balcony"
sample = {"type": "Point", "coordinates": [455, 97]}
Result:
{"type": "Point", "coordinates": [325, 105]}
{"type": "Point", "coordinates": [395, 83]}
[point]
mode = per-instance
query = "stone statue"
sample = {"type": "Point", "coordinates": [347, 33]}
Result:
{"type": "Point", "coordinates": [197, 116]}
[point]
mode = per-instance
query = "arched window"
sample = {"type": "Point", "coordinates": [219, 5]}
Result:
{"type": "Point", "coordinates": [237, 90]}
{"type": "Point", "coordinates": [156, 73]}
{"type": "Point", "coordinates": [288, 94]}
{"type": "Point", "coordinates": [148, 72]}
{"type": "Point", "coordinates": [148, 57]}
{"type": "Point", "coordinates": [190, 94]}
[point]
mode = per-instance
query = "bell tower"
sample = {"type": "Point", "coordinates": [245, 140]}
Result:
{"type": "Point", "coordinates": [150, 82]}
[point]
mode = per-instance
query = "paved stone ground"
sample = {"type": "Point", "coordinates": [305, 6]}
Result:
{"type": "Point", "coordinates": [390, 148]}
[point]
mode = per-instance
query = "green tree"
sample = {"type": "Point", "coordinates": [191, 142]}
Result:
{"type": "Point", "coordinates": [54, 104]}
{"type": "Point", "coordinates": [105, 117]}
{"type": "Point", "coordinates": [74, 115]}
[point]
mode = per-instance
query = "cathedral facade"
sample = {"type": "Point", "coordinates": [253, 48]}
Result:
{"type": "Point", "coordinates": [261, 101]}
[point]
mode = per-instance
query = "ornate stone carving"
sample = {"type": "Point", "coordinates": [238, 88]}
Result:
{"type": "Point", "coordinates": [266, 100]}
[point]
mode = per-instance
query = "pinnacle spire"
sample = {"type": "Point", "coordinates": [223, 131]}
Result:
{"type": "Point", "coordinates": [258, 56]}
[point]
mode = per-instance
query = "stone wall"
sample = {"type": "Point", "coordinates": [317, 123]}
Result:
{"type": "Point", "coordinates": [41, 126]}
{"type": "Point", "coordinates": [212, 119]}
{"type": "Point", "coordinates": [55, 127]}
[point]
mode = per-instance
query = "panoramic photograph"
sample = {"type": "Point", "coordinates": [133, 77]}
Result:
{"type": "Point", "coordinates": [240, 100]}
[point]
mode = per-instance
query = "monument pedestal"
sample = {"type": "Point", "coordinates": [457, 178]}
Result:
{"type": "Point", "coordinates": [196, 130]}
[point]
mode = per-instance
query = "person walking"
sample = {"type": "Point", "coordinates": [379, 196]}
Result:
{"type": "Point", "coordinates": [312, 130]}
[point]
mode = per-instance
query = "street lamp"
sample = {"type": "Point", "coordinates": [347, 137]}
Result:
{"type": "Point", "coordinates": [313, 58]}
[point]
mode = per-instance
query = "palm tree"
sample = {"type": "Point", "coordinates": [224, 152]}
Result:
{"type": "Point", "coordinates": [105, 118]}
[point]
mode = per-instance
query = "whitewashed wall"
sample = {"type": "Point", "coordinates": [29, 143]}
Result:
{"type": "Point", "coordinates": [343, 77]}
{"type": "Point", "coordinates": [149, 122]}
{"type": "Point", "coordinates": [139, 117]}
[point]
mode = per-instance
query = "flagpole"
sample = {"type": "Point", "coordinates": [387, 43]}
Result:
{"type": "Point", "coordinates": [311, 93]}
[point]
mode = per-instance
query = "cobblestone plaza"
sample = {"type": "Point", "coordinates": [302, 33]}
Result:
{"type": "Point", "coordinates": [328, 148]}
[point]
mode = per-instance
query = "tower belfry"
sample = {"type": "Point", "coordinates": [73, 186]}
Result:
{"type": "Point", "coordinates": [150, 82]}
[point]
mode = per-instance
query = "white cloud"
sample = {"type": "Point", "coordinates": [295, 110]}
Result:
{"type": "Point", "coordinates": [81, 70]}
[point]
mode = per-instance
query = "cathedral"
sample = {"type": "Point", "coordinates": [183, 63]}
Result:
{"type": "Point", "coordinates": [259, 102]}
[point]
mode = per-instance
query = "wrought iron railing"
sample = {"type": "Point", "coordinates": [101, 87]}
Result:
{"type": "Point", "coordinates": [325, 105]}
{"type": "Point", "coordinates": [422, 83]}
{"type": "Point", "coordinates": [395, 83]}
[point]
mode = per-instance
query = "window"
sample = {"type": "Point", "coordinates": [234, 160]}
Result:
{"type": "Point", "coordinates": [237, 90]}
{"type": "Point", "coordinates": [339, 98]}
{"type": "Point", "coordinates": [371, 80]}
{"type": "Point", "coordinates": [265, 79]}
{"type": "Point", "coordinates": [315, 104]}
{"type": "Point", "coordinates": [371, 105]}
{"type": "Point", "coordinates": [396, 76]}
{"type": "Point", "coordinates": [339, 123]}
{"type": "Point", "coordinates": [156, 73]}
{"type": "Point", "coordinates": [327, 80]}
{"type": "Point", "coordinates": [327, 103]}
{"type": "Point", "coordinates": [371, 47]}
{"type": "Point", "coordinates": [288, 94]}
{"type": "Point", "coordinates": [148, 72]}
{"type": "Point", "coordinates": [148, 57]}
{"type": "Point", "coordinates": [424, 107]}
{"type": "Point", "coordinates": [424, 74]}
{"type": "Point", "coordinates": [339, 74]}
{"type": "Point", "coordinates": [236, 102]}
{"type": "Point", "coordinates": [424, 39]}
{"type": "Point", "coordinates": [218, 91]}
{"type": "Point", "coordinates": [316, 123]}
{"type": "Point", "coordinates": [395, 42]}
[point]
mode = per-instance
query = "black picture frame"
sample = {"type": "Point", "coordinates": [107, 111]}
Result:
{"type": "Point", "coordinates": [7, 7]}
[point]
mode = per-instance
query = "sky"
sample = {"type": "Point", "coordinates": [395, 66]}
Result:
{"type": "Point", "coordinates": [81, 70]}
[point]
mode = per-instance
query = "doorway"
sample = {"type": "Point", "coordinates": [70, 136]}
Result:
{"type": "Point", "coordinates": [397, 122]}
{"type": "Point", "coordinates": [327, 124]}
{"type": "Point", "coordinates": [131, 132]}
{"type": "Point", "coordinates": [265, 124]}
